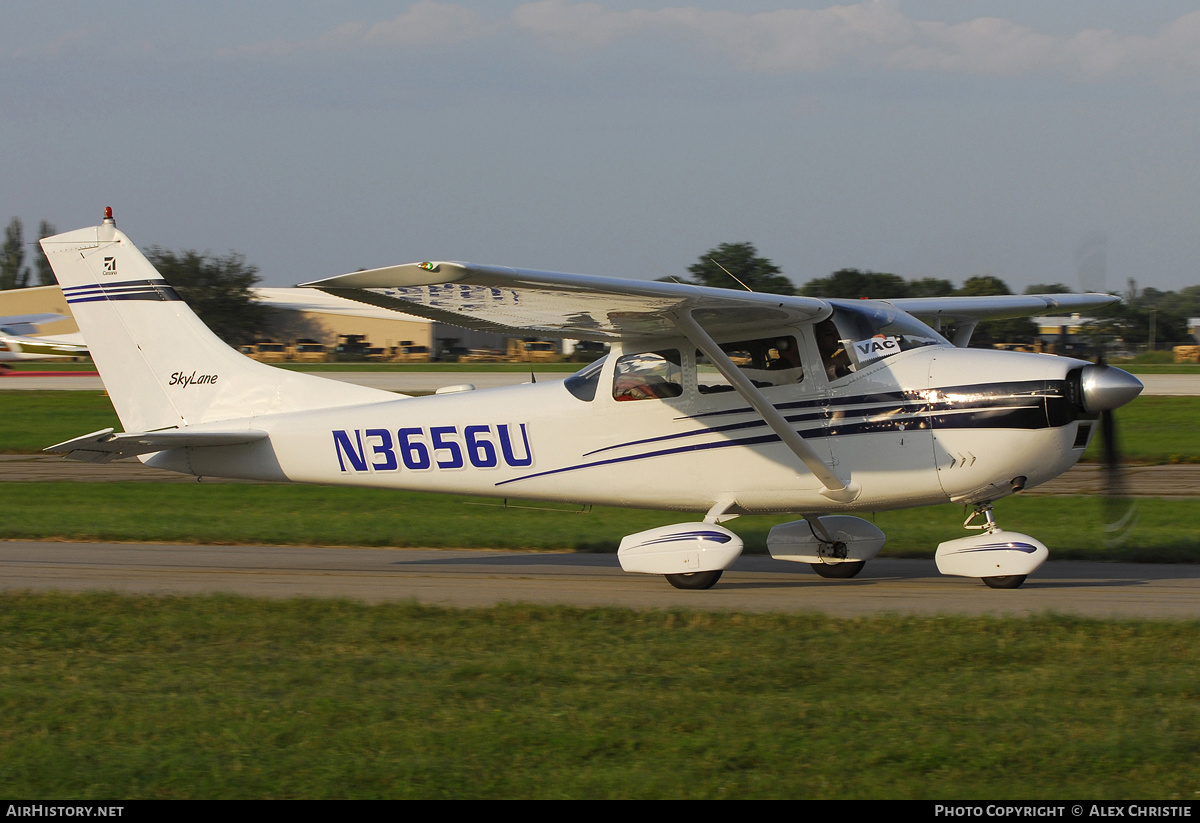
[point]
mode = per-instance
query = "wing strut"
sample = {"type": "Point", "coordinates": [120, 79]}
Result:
{"type": "Point", "coordinates": [835, 488]}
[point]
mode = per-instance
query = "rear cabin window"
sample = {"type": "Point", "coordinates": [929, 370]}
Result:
{"type": "Point", "coordinates": [648, 375]}
{"type": "Point", "coordinates": [771, 361]}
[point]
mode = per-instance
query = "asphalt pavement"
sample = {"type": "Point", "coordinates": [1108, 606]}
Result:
{"type": "Point", "coordinates": [479, 578]}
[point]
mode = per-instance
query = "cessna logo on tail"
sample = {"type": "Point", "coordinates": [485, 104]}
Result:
{"type": "Point", "coordinates": [184, 380]}
{"type": "Point", "coordinates": [110, 265]}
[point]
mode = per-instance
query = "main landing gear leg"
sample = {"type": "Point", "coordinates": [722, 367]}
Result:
{"type": "Point", "coordinates": [840, 569]}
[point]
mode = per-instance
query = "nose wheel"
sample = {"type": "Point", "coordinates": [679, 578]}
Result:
{"type": "Point", "coordinates": [695, 580]}
{"type": "Point", "coordinates": [1008, 581]}
{"type": "Point", "coordinates": [1001, 559]}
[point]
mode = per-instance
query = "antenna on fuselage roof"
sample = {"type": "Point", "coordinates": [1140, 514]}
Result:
{"type": "Point", "coordinates": [731, 274]}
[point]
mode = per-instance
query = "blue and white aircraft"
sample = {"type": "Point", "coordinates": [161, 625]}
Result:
{"type": "Point", "coordinates": [717, 402]}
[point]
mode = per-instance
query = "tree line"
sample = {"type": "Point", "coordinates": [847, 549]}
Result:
{"type": "Point", "coordinates": [14, 274]}
{"type": "Point", "coordinates": [220, 290]}
{"type": "Point", "coordinates": [1142, 312]}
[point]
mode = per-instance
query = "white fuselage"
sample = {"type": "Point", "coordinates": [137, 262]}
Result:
{"type": "Point", "coordinates": [920, 427]}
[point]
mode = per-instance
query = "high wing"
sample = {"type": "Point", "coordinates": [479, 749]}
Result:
{"type": "Point", "coordinates": [25, 324]}
{"type": "Point", "coordinates": [958, 309]}
{"type": "Point", "coordinates": [966, 312]}
{"type": "Point", "coordinates": [311, 300]}
{"type": "Point", "coordinates": [521, 301]}
{"type": "Point", "coordinates": [550, 304]}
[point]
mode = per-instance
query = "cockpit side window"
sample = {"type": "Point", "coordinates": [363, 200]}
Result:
{"type": "Point", "coordinates": [768, 362]}
{"type": "Point", "coordinates": [648, 375]}
{"type": "Point", "coordinates": [833, 350]}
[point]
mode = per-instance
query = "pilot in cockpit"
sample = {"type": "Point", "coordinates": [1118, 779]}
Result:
{"type": "Point", "coordinates": [833, 353]}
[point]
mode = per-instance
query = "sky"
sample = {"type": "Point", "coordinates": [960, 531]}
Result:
{"type": "Point", "coordinates": [1037, 142]}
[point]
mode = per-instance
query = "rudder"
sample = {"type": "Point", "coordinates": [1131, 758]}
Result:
{"type": "Point", "coordinates": [162, 367]}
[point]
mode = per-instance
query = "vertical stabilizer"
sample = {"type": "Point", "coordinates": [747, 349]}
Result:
{"type": "Point", "coordinates": [162, 366]}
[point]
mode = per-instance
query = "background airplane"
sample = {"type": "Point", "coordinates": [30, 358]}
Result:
{"type": "Point", "coordinates": [19, 339]}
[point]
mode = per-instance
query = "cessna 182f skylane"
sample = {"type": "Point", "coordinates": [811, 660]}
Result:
{"type": "Point", "coordinates": [712, 401]}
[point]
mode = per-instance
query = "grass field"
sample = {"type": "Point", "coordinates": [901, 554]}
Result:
{"type": "Point", "coordinates": [325, 516]}
{"type": "Point", "coordinates": [127, 697]}
{"type": "Point", "coordinates": [1156, 430]}
{"type": "Point", "coordinates": [32, 420]}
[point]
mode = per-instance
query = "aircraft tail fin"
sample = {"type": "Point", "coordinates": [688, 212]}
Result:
{"type": "Point", "coordinates": [162, 366]}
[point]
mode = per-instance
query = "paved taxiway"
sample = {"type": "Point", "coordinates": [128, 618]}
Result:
{"type": "Point", "coordinates": [483, 578]}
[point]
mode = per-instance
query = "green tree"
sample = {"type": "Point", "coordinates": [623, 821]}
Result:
{"type": "Point", "coordinates": [45, 274]}
{"type": "Point", "coordinates": [218, 289]}
{"type": "Point", "coordinates": [983, 285]}
{"type": "Point", "coordinates": [1131, 319]}
{"type": "Point", "coordinates": [1189, 301]}
{"type": "Point", "coordinates": [853, 284]}
{"type": "Point", "coordinates": [930, 287]}
{"type": "Point", "coordinates": [1047, 288]}
{"type": "Point", "coordinates": [989, 332]}
{"type": "Point", "coordinates": [742, 261]}
{"type": "Point", "coordinates": [13, 274]}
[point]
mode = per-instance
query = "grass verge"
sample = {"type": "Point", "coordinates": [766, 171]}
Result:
{"type": "Point", "coordinates": [1155, 430]}
{"type": "Point", "coordinates": [313, 515]}
{"type": "Point", "coordinates": [221, 697]}
{"type": "Point", "coordinates": [32, 420]}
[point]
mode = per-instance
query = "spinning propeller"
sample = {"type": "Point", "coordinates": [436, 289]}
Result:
{"type": "Point", "coordinates": [1105, 388]}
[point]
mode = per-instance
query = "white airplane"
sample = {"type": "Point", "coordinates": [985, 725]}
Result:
{"type": "Point", "coordinates": [18, 340]}
{"type": "Point", "coordinates": [717, 402]}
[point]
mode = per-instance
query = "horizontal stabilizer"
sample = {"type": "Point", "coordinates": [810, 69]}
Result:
{"type": "Point", "coordinates": [104, 446]}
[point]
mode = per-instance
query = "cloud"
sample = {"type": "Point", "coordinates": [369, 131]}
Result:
{"type": "Point", "coordinates": [55, 47]}
{"type": "Point", "coordinates": [429, 24]}
{"type": "Point", "coordinates": [424, 24]}
{"type": "Point", "coordinates": [874, 34]}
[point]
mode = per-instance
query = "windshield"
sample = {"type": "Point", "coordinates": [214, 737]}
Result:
{"type": "Point", "coordinates": [859, 334]}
